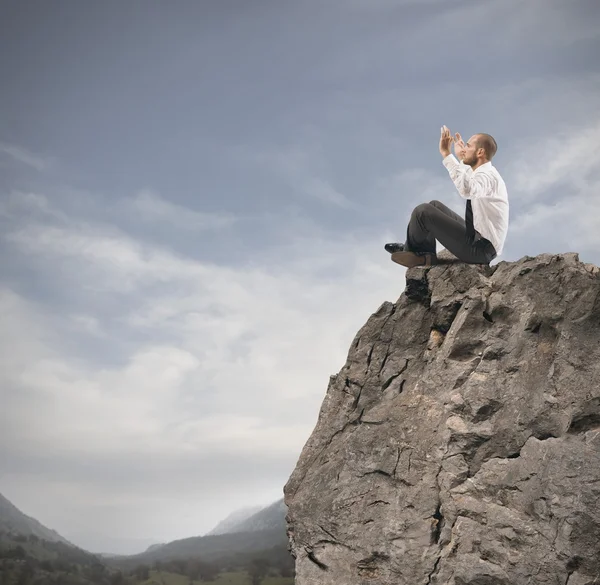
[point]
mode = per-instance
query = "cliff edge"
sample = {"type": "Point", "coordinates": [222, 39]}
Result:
{"type": "Point", "coordinates": [460, 442]}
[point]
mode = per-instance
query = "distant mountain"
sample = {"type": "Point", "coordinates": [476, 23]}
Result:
{"type": "Point", "coordinates": [270, 518]}
{"type": "Point", "coordinates": [253, 519]}
{"type": "Point", "coordinates": [241, 535]}
{"type": "Point", "coordinates": [235, 518]}
{"type": "Point", "coordinates": [154, 547]}
{"type": "Point", "coordinates": [13, 521]}
{"type": "Point", "coordinates": [208, 548]}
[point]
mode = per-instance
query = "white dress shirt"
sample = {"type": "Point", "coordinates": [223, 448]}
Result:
{"type": "Point", "coordinates": [489, 199]}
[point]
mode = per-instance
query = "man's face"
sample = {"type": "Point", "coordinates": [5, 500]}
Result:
{"type": "Point", "coordinates": [470, 157]}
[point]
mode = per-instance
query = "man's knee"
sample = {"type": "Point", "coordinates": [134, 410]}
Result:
{"type": "Point", "coordinates": [421, 208]}
{"type": "Point", "coordinates": [436, 203]}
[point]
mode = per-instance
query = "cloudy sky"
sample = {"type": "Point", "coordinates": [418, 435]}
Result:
{"type": "Point", "coordinates": [194, 198]}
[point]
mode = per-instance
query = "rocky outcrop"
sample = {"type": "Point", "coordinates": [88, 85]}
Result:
{"type": "Point", "coordinates": [460, 443]}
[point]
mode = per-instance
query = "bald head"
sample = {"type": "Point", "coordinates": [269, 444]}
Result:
{"type": "Point", "coordinates": [488, 144]}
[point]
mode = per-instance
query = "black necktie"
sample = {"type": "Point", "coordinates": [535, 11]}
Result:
{"type": "Point", "coordinates": [469, 221]}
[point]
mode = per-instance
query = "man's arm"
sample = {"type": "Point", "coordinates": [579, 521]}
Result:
{"type": "Point", "coordinates": [460, 175]}
{"type": "Point", "coordinates": [468, 184]}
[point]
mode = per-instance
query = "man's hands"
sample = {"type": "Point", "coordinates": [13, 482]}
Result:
{"type": "Point", "coordinates": [459, 147]}
{"type": "Point", "coordinates": [445, 141]}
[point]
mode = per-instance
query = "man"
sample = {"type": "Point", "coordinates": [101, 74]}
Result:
{"type": "Point", "coordinates": [480, 236]}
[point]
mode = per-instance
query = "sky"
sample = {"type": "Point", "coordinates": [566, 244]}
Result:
{"type": "Point", "coordinates": [194, 199]}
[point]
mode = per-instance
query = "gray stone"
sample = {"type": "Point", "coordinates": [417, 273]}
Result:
{"type": "Point", "coordinates": [460, 442]}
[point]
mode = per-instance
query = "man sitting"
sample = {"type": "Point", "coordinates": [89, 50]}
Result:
{"type": "Point", "coordinates": [480, 236]}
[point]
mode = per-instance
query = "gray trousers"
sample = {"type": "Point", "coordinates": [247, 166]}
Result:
{"type": "Point", "coordinates": [434, 221]}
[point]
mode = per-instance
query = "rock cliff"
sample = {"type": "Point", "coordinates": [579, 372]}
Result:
{"type": "Point", "coordinates": [460, 443]}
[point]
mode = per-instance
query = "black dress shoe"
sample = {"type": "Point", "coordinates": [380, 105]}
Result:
{"type": "Point", "coordinates": [394, 247]}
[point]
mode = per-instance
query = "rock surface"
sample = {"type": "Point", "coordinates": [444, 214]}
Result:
{"type": "Point", "coordinates": [460, 443]}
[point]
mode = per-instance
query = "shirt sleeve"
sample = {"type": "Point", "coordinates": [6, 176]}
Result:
{"type": "Point", "coordinates": [468, 184]}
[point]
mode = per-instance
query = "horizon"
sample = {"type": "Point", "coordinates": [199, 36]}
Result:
{"type": "Point", "coordinates": [249, 513]}
{"type": "Point", "coordinates": [194, 200]}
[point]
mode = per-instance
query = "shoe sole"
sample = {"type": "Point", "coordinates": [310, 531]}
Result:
{"type": "Point", "coordinates": [411, 260]}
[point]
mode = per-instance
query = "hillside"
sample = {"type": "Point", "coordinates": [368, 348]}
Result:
{"type": "Point", "coordinates": [229, 524]}
{"type": "Point", "coordinates": [253, 519]}
{"type": "Point", "coordinates": [260, 535]}
{"type": "Point", "coordinates": [13, 521]}
{"type": "Point", "coordinates": [210, 548]}
{"type": "Point", "coordinates": [270, 518]}
{"type": "Point", "coordinates": [241, 533]}
{"type": "Point", "coordinates": [30, 553]}
{"type": "Point", "coordinates": [29, 559]}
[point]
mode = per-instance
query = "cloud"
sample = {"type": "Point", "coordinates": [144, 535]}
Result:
{"type": "Point", "coordinates": [566, 159]}
{"type": "Point", "coordinates": [553, 184]}
{"type": "Point", "coordinates": [220, 368]}
{"type": "Point", "coordinates": [21, 203]}
{"type": "Point", "coordinates": [87, 324]}
{"type": "Point", "coordinates": [98, 256]}
{"type": "Point", "coordinates": [541, 24]}
{"type": "Point", "coordinates": [303, 171]}
{"type": "Point", "coordinates": [561, 26]}
{"type": "Point", "coordinates": [385, 4]}
{"type": "Point", "coordinates": [565, 223]}
{"type": "Point", "coordinates": [426, 184]}
{"type": "Point", "coordinates": [151, 207]}
{"type": "Point", "coordinates": [324, 192]}
{"type": "Point", "coordinates": [443, 34]}
{"type": "Point", "coordinates": [26, 157]}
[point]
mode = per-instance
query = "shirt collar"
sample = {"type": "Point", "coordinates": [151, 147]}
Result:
{"type": "Point", "coordinates": [483, 167]}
